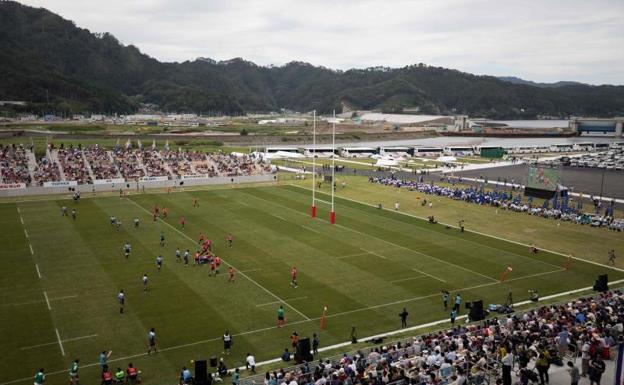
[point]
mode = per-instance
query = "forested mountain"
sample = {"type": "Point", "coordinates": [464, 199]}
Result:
{"type": "Point", "coordinates": [58, 67]}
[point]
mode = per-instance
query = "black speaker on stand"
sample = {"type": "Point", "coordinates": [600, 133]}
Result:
{"type": "Point", "coordinates": [303, 351]}
{"type": "Point", "coordinates": [201, 372]}
{"type": "Point", "coordinates": [476, 311]}
{"type": "Point", "coordinates": [602, 283]}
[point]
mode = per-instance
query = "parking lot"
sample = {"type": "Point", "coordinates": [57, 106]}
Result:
{"type": "Point", "coordinates": [607, 160]}
{"type": "Point", "coordinates": [581, 180]}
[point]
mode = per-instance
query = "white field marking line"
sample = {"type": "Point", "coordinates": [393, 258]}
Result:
{"type": "Point", "coordinates": [436, 294]}
{"type": "Point", "coordinates": [322, 201]}
{"type": "Point", "coordinates": [18, 211]}
{"type": "Point", "coordinates": [39, 301]}
{"type": "Point", "coordinates": [326, 348]}
{"type": "Point", "coordinates": [227, 263]}
{"type": "Point", "coordinates": [31, 251]}
{"type": "Point", "coordinates": [21, 220]}
{"type": "Point", "coordinates": [429, 275]}
{"type": "Point", "coordinates": [476, 243]}
{"type": "Point", "coordinates": [479, 244]}
{"type": "Point", "coordinates": [377, 255]}
{"type": "Point", "coordinates": [390, 243]}
{"type": "Point", "coordinates": [37, 268]}
{"type": "Point", "coordinates": [418, 252]}
{"type": "Point", "coordinates": [47, 300]}
{"type": "Point", "coordinates": [26, 232]}
{"type": "Point", "coordinates": [250, 270]}
{"type": "Point", "coordinates": [276, 302]}
{"type": "Point", "coordinates": [242, 203]}
{"type": "Point", "coordinates": [353, 255]}
{"type": "Point", "coordinates": [478, 232]}
{"type": "Point", "coordinates": [278, 217]}
{"type": "Point", "coordinates": [58, 337]}
{"type": "Point", "coordinates": [408, 279]}
{"type": "Point", "coordinates": [311, 229]}
{"type": "Point", "coordinates": [55, 342]}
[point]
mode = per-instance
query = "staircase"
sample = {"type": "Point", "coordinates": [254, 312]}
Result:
{"type": "Point", "coordinates": [166, 165]}
{"type": "Point", "coordinates": [140, 162]}
{"type": "Point", "coordinates": [53, 156]}
{"type": "Point", "coordinates": [32, 165]}
{"type": "Point", "coordinates": [112, 160]}
{"type": "Point", "coordinates": [87, 165]}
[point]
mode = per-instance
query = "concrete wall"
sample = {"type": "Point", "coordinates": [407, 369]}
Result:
{"type": "Point", "coordinates": [134, 186]}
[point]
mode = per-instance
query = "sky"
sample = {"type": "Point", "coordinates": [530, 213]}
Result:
{"type": "Point", "coordinates": [539, 40]}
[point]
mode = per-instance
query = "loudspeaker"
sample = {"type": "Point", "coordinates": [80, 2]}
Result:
{"type": "Point", "coordinates": [303, 351]}
{"type": "Point", "coordinates": [602, 283]}
{"type": "Point", "coordinates": [213, 362]}
{"type": "Point", "coordinates": [476, 311]}
{"type": "Point", "coordinates": [201, 372]}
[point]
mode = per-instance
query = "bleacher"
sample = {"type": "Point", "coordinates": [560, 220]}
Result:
{"type": "Point", "coordinates": [577, 331]}
{"type": "Point", "coordinates": [14, 164]}
{"type": "Point", "coordinates": [91, 164]}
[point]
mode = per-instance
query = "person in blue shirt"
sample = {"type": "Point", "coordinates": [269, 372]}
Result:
{"type": "Point", "coordinates": [458, 301]}
{"type": "Point", "coordinates": [185, 376]}
{"type": "Point", "coordinates": [453, 316]}
{"type": "Point", "coordinates": [286, 356]}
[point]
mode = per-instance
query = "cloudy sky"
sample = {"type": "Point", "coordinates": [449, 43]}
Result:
{"type": "Point", "coordinates": [540, 40]}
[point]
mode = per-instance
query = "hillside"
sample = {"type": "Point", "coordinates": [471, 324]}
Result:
{"type": "Point", "coordinates": [60, 68]}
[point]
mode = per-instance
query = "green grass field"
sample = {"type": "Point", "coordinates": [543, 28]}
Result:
{"type": "Point", "coordinates": [60, 278]}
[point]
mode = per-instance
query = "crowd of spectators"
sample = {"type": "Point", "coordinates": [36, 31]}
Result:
{"type": "Point", "coordinates": [505, 200]}
{"type": "Point", "coordinates": [73, 165]}
{"type": "Point", "coordinates": [14, 164]}
{"type": "Point", "coordinates": [241, 164]}
{"type": "Point", "coordinates": [525, 345]}
{"type": "Point", "coordinates": [46, 171]}
{"type": "Point", "coordinates": [153, 163]}
{"type": "Point", "coordinates": [128, 163]}
{"type": "Point", "coordinates": [131, 164]}
{"type": "Point", "coordinates": [180, 162]}
{"type": "Point", "coordinates": [100, 161]}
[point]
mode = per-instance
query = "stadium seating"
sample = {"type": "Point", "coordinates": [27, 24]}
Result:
{"type": "Point", "coordinates": [46, 171]}
{"type": "Point", "coordinates": [471, 354]}
{"type": "Point", "coordinates": [83, 165]}
{"type": "Point", "coordinates": [73, 165]}
{"type": "Point", "coordinates": [101, 162]}
{"type": "Point", "coordinates": [14, 164]}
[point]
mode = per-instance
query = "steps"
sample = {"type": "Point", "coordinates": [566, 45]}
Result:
{"type": "Point", "coordinates": [87, 165]}
{"type": "Point", "coordinates": [112, 160]}
{"type": "Point", "coordinates": [32, 165]}
{"type": "Point", "coordinates": [53, 156]}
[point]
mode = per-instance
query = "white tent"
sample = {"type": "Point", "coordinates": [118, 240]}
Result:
{"type": "Point", "coordinates": [386, 162]}
{"type": "Point", "coordinates": [282, 155]}
{"type": "Point", "coordinates": [446, 159]}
